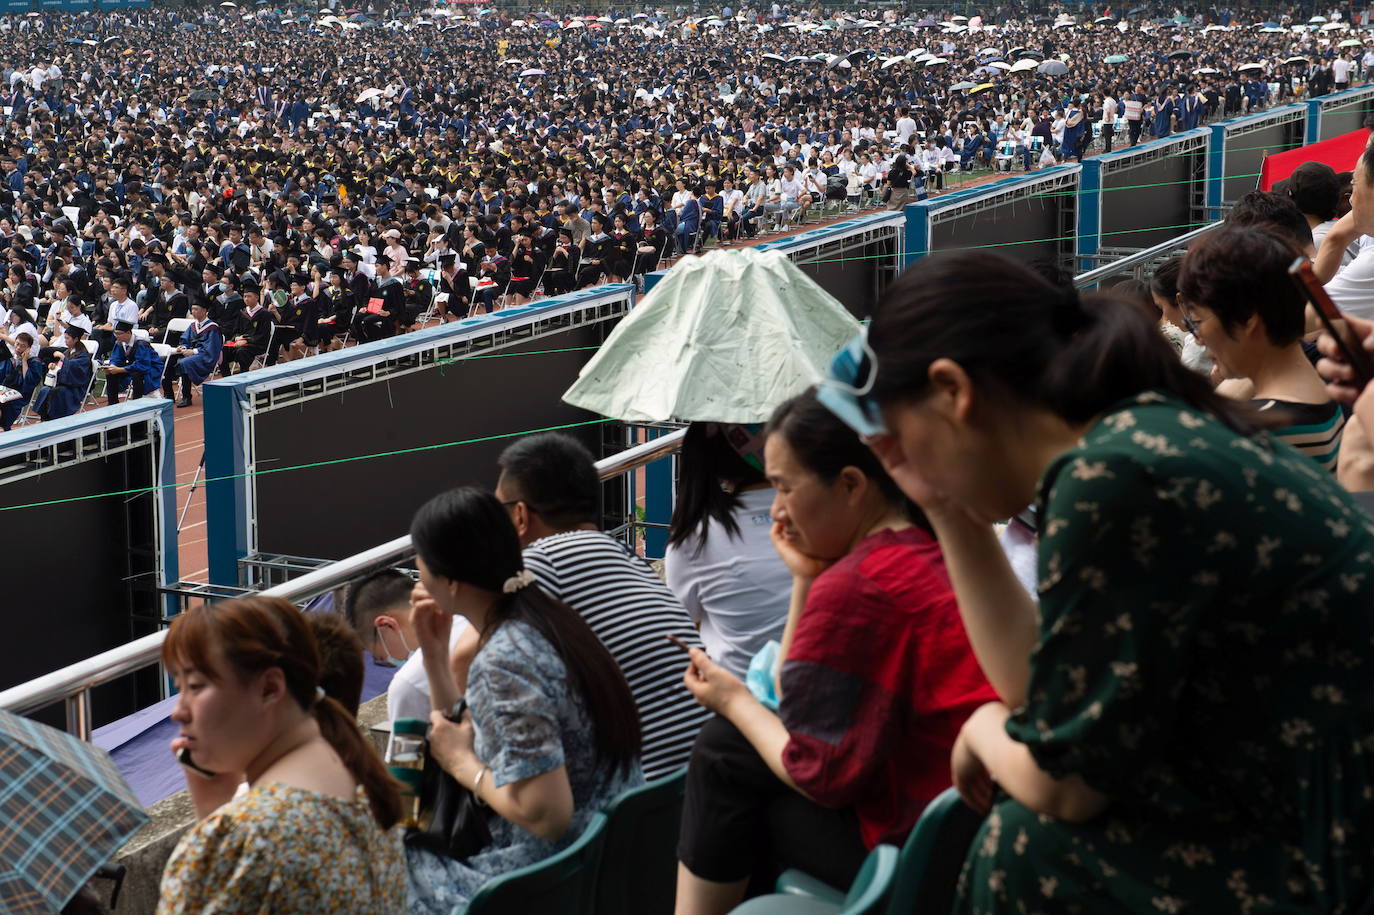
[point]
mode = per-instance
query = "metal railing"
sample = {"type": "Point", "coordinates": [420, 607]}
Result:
{"type": "Point", "coordinates": [72, 685]}
{"type": "Point", "coordinates": [1135, 263]}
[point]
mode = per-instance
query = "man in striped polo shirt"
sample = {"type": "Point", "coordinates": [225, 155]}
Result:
{"type": "Point", "coordinates": [549, 485]}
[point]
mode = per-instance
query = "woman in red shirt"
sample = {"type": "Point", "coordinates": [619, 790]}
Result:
{"type": "Point", "coordinates": [876, 678]}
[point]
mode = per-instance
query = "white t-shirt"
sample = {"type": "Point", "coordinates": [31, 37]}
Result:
{"type": "Point", "coordinates": [738, 589]}
{"type": "Point", "coordinates": [1340, 70]}
{"type": "Point", "coordinates": [1319, 232]}
{"type": "Point", "coordinates": [1352, 288]}
{"type": "Point", "coordinates": [408, 694]}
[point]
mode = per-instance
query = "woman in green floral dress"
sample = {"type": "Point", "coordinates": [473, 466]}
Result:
{"type": "Point", "coordinates": [1187, 721]}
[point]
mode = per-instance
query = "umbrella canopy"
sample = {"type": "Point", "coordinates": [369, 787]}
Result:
{"type": "Point", "coordinates": [1297, 59]}
{"type": "Point", "coordinates": [1021, 66]}
{"type": "Point", "coordinates": [1053, 68]}
{"type": "Point", "coordinates": [1180, 55]}
{"type": "Point", "coordinates": [67, 811]}
{"type": "Point", "coordinates": [993, 51]}
{"type": "Point", "coordinates": [368, 95]}
{"type": "Point", "coordinates": [724, 338]}
{"type": "Point", "coordinates": [1116, 59]}
{"type": "Point", "coordinates": [925, 24]}
{"type": "Point", "coordinates": [1273, 30]}
{"type": "Point", "coordinates": [1215, 28]}
{"type": "Point", "coordinates": [1243, 67]}
{"type": "Point", "coordinates": [1103, 20]}
{"type": "Point", "coordinates": [977, 89]}
{"type": "Point", "coordinates": [1207, 71]}
{"type": "Point", "coordinates": [532, 71]}
{"type": "Point", "coordinates": [936, 62]}
{"type": "Point", "coordinates": [202, 95]}
{"type": "Point", "coordinates": [1334, 27]}
{"type": "Point", "coordinates": [1317, 19]}
{"type": "Point", "coordinates": [1351, 43]}
{"type": "Point", "coordinates": [961, 86]}
{"type": "Point", "coordinates": [999, 65]}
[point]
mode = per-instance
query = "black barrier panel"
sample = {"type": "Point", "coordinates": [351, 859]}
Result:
{"type": "Point", "coordinates": [337, 510]}
{"type": "Point", "coordinates": [1245, 154]}
{"type": "Point", "coordinates": [1342, 119]}
{"type": "Point", "coordinates": [1148, 204]}
{"type": "Point", "coordinates": [857, 276]}
{"type": "Point", "coordinates": [1027, 229]}
{"type": "Point", "coordinates": [77, 573]}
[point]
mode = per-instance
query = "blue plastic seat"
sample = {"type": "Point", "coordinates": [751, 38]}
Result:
{"type": "Point", "coordinates": [561, 885]}
{"type": "Point", "coordinates": [638, 873]}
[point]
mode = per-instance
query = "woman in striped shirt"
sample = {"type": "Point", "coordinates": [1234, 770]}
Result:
{"type": "Point", "coordinates": [1238, 300]}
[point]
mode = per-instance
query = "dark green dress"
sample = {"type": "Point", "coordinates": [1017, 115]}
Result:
{"type": "Point", "coordinates": [1206, 660]}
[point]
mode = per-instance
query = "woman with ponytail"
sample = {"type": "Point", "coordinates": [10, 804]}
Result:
{"type": "Point", "coordinates": [1185, 716]}
{"type": "Point", "coordinates": [313, 824]}
{"type": "Point", "coordinates": [551, 733]}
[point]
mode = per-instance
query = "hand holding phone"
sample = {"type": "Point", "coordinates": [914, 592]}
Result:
{"type": "Point", "coordinates": [184, 757]}
{"type": "Point", "coordinates": [1348, 345]}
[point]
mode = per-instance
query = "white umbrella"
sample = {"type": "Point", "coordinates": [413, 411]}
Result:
{"type": "Point", "coordinates": [368, 95]}
{"type": "Point", "coordinates": [1000, 65]}
{"type": "Point", "coordinates": [936, 62]}
{"type": "Point", "coordinates": [532, 71]}
{"type": "Point", "coordinates": [1243, 67]}
{"type": "Point", "coordinates": [1215, 28]}
{"type": "Point", "coordinates": [887, 63]}
{"type": "Point", "coordinates": [1317, 19]}
{"type": "Point", "coordinates": [990, 51]}
{"type": "Point", "coordinates": [1272, 30]}
{"type": "Point", "coordinates": [576, 24]}
{"type": "Point", "coordinates": [1351, 43]}
{"type": "Point", "coordinates": [1023, 65]}
{"type": "Point", "coordinates": [230, 4]}
{"type": "Point", "coordinates": [1063, 25]}
{"type": "Point", "coordinates": [777, 57]}
{"type": "Point", "coordinates": [512, 61]}
{"type": "Point", "coordinates": [1334, 27]}
{"type": "Point", "coordinates": [724, 338]}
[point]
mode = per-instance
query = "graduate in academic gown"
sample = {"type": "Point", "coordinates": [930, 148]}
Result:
{"type": "Point", "coordinates": [133, 364]}
{"type": "Point", "coordinates": [195, 359]}
{"type": "Point", "coordinates": [73, 377]}
{"type": "Point", "coordinates": [23, 372]}
{"type": "Point", "coordinates": [595, 249]}
{"type": "Point", "coordinates": [653, 239]}
{"type": "Point", "coordinates": [561, 273]}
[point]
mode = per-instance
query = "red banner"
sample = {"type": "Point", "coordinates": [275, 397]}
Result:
{"type": "Point", "coordinates": [1341, 153]}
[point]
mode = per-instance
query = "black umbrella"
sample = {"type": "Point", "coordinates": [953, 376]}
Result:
{"type": "Point", "coordinates": [1043, 20]}
{"type": "Point", "coordinates": [1180, 55]}
{"type": "Point", "coordinates": [203, 95]}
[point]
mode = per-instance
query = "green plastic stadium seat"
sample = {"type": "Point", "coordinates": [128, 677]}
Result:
{"type": "Point", "coordinates": [868, 895]}
{"type": "Point", "coordinates": [638, 874]}
{"type": "Point", "coordinates": [927, 870]}
{"type": "Point", "coordinates": [561, 885]}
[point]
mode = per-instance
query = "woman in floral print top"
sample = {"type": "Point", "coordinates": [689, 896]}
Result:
{"type": "Point", "coordinates": [313, 831]}
{"type": "Point", "coordinates": [1187, 716]}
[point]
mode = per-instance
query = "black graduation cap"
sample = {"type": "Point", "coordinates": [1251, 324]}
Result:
{"type": "Point", "coordinates": [124, 326]}
{"type": "Point", "coordinates": [383, 259]}
{"type": "Point", "coordinates": [446, 259]}
{"type": "Point", "coordinates": [75, 332]}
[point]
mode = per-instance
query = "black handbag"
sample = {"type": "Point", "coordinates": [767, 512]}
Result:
{"type": "Point", "coordinates": [454, 825]}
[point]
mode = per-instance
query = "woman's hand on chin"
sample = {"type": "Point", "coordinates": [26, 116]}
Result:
{"type": "Point", "coordinates": [798, 563]}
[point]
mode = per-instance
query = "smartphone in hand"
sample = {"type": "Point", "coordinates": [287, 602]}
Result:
{"type": "Point", "coordinates": [1352, 349]}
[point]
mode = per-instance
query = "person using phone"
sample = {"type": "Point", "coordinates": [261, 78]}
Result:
{"type": "Point", "coordinates": [875, 678]}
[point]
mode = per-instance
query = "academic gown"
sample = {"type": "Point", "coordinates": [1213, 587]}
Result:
{"type": "Point", "coordinates": [207, 344]}
{"type": "Point", "coordinates": [143, 360]}
{"type": "Point", "coordinates": [25, 380]}
{"type": "Point", "coordinates": [594, 252]}
{"type": "Point", "coordinates": [73, 381]}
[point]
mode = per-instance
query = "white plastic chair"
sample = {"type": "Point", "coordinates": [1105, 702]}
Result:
{"type": "Point", "coordinates": [176, 326]}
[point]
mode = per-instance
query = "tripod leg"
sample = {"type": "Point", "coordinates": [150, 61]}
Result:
{"type": "Point", "coordinates": [195, 481]}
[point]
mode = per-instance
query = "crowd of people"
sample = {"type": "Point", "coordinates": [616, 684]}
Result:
{"type": "Point", "coordinates": [312, 180]}
{"type": "Point", "coordinates": [1192, 540]}
{"type": "Point", "coordinates": [1152, 687]}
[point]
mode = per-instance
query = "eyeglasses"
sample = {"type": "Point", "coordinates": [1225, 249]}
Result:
{"type": "Point", "coordinates": [845, 389]}
{"type": "Point", "coordinates": [1193, 325]}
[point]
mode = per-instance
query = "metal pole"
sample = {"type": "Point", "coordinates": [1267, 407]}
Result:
{"type": "Point", "coordinates": [79, 714]}
{"type": "Point", "coordinates": [195, 480]}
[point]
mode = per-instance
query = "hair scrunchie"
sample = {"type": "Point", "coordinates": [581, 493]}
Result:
{"type": "Point", "coordinates": [517, 581]}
